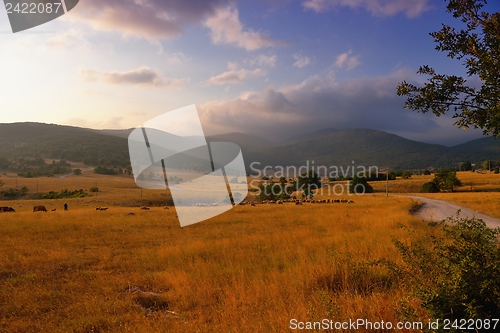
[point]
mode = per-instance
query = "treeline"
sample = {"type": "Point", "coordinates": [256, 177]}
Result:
{"type": "Point", "coordinates": [102, 170]}
{"type": "Point", "coordinates": [34, 167]}
{"type": "Point", "coordinates": [64, 194]}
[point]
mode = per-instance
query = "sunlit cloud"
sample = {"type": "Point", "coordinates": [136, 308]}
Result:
{"type": "Point", "coordinates": [301, 61]}
{"type": "Point", "coordinates": [236, 76]}
{"type": "Point", "coordinates": [143, 76]}
{"type": "Point", "coordinates": [71, 38]}
{"type": "Point", "coordinates": [226, 28]}
{"type": "Point", "coordinates": [345, 60]}
{"type": "Point", "coordinates": [263, 60]}
{"type": "Point", "coordinates": [151, 19]}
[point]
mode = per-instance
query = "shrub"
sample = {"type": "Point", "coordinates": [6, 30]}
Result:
{"type": "Point", "coordinates": [457, 276]}
{"type": "Point", "coordinates": [94, 189]}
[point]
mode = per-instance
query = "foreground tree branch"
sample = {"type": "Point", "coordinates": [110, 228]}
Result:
{"type": "Point", "coordinates": [478, 46]}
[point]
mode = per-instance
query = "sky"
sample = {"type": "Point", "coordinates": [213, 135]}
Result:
{"type": "Point", "coordinates": [274, 68]}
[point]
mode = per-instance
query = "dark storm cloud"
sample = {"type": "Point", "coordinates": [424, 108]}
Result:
{"type": "Point", "coordinates": [319, 103]}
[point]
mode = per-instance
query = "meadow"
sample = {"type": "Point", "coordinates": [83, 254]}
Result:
{"type": "Point", "coordinates": [252, 269]}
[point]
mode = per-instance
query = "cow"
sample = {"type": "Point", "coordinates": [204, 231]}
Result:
{"type": "Point", "coordinates": [54, 209]}
{"type": "Point", "coordinates": [39, 209]}
{"type": "Point", "coordinates": [145, 208]}
{"type": "Point", "coordinates": [7, 210]}
{"type": "Point", "coordinates": [101, 208]}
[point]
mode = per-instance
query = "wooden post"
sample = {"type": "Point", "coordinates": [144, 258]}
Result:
{"type": "Point", "coordinates": [387, 186]}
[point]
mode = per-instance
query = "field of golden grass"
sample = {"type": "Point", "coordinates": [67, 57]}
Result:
{"type": "Point", "coordinates": [252, 269]}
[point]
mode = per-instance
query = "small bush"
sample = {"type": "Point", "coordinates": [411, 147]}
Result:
{"type": "Point", "coordinates": [94, 189]}
{"type": "Point", "coordinates": [458, 276]}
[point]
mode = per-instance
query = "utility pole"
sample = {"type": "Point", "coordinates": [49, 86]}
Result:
{"type": "Point", "coordinates": [387, 184]}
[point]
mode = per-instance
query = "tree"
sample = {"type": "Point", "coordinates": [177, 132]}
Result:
{"type": "Point", "coordinates": [465, 166]}
{"type": "Point", "coordinates": [430, 187]}
{"type": "Point", "coordinates": [446, 180]}
{"type": "Point", "coordinates": [77, 172]}
{"type": "Point", "coordinates": [478, 44]}
{"type": "Point", "coordinates": [486, 165]}
{"type": "Point", "coordinates": [308, 181]}
{"type": "Point", "coordinates": [427, 172]}
{"type": "Point", "coordinates": [406, 174]}
{"type": "Point", "coordinates": [360, 185]}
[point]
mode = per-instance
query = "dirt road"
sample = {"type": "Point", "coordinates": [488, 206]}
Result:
{"type": "Point", "coordinates": [437, 210]}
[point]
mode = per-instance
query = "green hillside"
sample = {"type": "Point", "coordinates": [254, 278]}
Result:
{"type": "Point", "coordinates": [363, 146]}
{"type": "Point", "coordinates": [34, 140]}
{"type": "Point", "coordinates": [25, 144]}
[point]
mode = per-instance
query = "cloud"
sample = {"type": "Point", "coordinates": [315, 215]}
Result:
{"type": "Point", "coordinates": [318, 103]}
{"type": "Point", "coordinates": [345, 60]}
{"type": "Point", "coordinates": [411, 8]}
{"type": "Point", "coordinates": [226, 28]}
{"type": "Point", "coordinates": [301, 61]}
{"type": "Point", "coordinates": [151, 19]}
{"type": "Point", "coordinates": [143, 76]}
{"type": "Point", "coordinates": [263, 60]}
{"type": "Point", "coordinates": [236, 76]}
{"type": "Point", "coordinates": [69, 39]}
{"type": "Point", "coordinates": [178, 58]}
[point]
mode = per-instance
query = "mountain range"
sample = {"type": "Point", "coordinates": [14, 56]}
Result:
{"type": "Point", "coordinates": [327, 147]}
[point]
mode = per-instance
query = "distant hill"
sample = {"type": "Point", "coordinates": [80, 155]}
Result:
{"type": "Point", "coordinates": [370, 147]}
{"type": "Point", "coordinates": [245, 141]}
{"type": "Point", "coordinates": [309, 136]}
{"type": "Point", "coordinates": [363, 146]}
{"type": "Point", "coordinates": [31, 140]}
{"type": "Point", "coordinates": [328, 147]}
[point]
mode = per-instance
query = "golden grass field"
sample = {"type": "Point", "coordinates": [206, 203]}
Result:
{"type": "Point", "coordinates": [252, 269]}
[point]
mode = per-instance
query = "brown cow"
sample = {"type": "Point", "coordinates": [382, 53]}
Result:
{"type": "Point", "coordinates": [7, 210]}
{"type": "Point", "coordinates": [145, 208]}
{"type": "Point", "coordinates": [39, 209]}
{"type": "Point", "coordinates": [101, 208]}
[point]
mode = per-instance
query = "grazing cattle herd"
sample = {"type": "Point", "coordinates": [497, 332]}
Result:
{"type": "Point", "coordinates": [297, 202]}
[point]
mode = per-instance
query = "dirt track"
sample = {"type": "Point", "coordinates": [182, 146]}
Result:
{"type": "Point", "coordinates": [437, 210]}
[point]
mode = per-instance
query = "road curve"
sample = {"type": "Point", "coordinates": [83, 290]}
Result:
{"type": "Point", "coordinates": [437, 210]}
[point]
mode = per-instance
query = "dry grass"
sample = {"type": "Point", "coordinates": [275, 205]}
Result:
{"type": "Point", "coordinates": [249, 270]}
